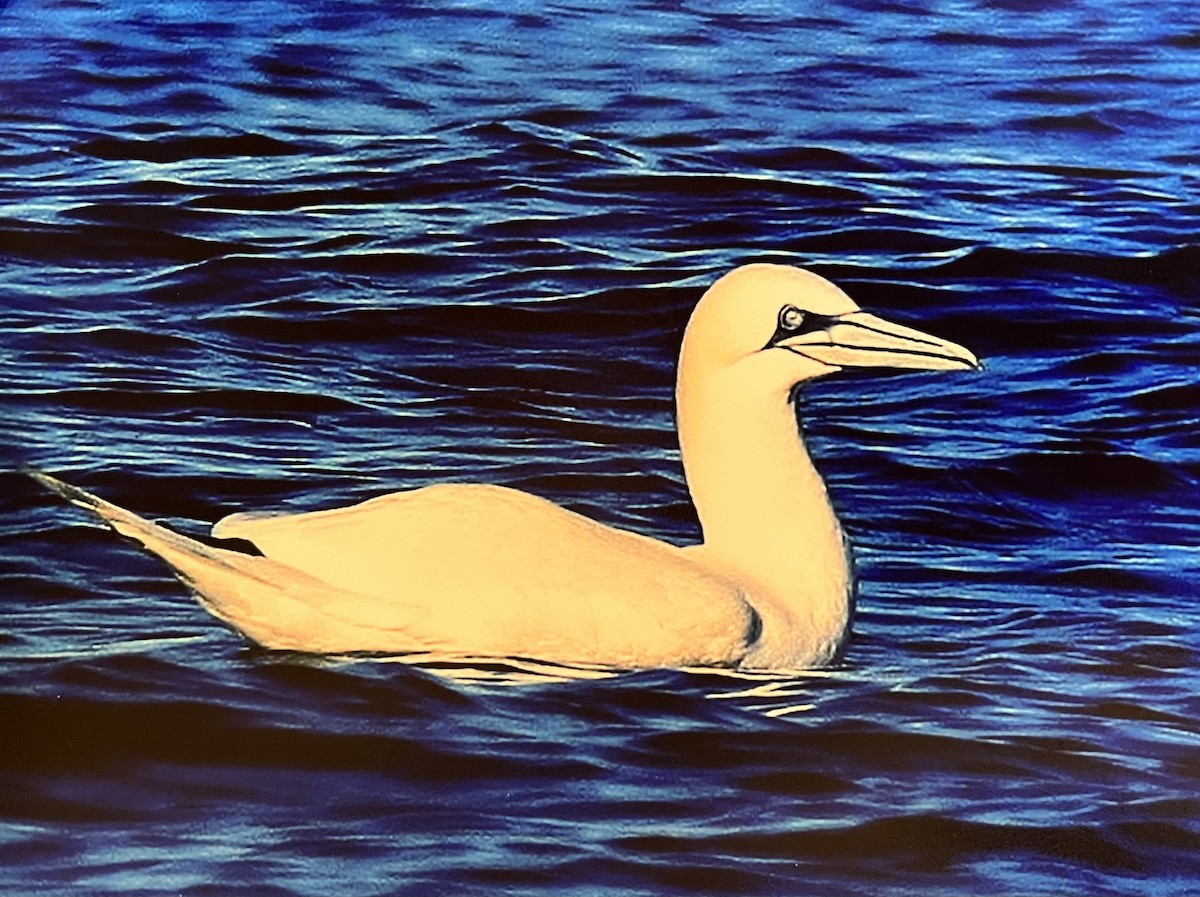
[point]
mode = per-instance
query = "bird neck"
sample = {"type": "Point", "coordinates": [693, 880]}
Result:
{"type": "Point", "coordinates": [764, 510]}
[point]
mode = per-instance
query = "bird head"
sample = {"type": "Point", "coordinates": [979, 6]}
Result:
{"type": "Point", "coordinates": [791, 326]}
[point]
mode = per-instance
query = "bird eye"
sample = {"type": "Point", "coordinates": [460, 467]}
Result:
{"type": "Point", "coordinates": [790, 317]}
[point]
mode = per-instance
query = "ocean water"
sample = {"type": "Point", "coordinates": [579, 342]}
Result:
{"type": "Point", "coordinates": [273, 255]}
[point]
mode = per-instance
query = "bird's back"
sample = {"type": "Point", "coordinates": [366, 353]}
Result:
{"type": "Point", "coordinates": [491, 570]}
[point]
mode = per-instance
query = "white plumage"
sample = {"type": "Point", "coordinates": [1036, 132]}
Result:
{"type": "Point", "coordinates": [486, 570]}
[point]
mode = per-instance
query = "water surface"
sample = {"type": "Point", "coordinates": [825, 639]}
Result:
{"type": "Point", "coordinates": [267, 255]}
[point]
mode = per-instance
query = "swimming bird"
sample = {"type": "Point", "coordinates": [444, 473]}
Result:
{"type": "Point", "coordinates": [489, 570]}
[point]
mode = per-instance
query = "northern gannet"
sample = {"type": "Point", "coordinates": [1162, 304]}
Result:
{"type": "Point", "coordinates": [489, 570]}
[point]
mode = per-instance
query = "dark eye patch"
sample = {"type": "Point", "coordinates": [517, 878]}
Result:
{"type": "Point", "coordinates": [788, 327]}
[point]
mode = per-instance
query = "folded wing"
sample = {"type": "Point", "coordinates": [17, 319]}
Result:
{"type": "Point", "coordinates": [490, 570]}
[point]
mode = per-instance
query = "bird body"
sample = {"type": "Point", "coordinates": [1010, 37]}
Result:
{"type": "Point", "coordinates": [505, 573]}
{"type": "Point", "coordinates": [487, 570]}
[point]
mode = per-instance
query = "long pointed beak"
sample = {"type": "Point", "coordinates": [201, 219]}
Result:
{"type": "Point", "coordinates": [858, 339]}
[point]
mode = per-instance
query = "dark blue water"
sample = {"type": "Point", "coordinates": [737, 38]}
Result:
{"type": "Point", "coordinates": [259, 254]}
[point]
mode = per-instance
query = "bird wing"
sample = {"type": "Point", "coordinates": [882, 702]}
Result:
{"type": "Point", "coordinates": [491, 570]}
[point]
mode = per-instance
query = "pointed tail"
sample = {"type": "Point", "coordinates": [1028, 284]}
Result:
{"type": "Point", "coordinates": [269, 602]}
{"type": "Point", "coordinates": [168, 545]}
